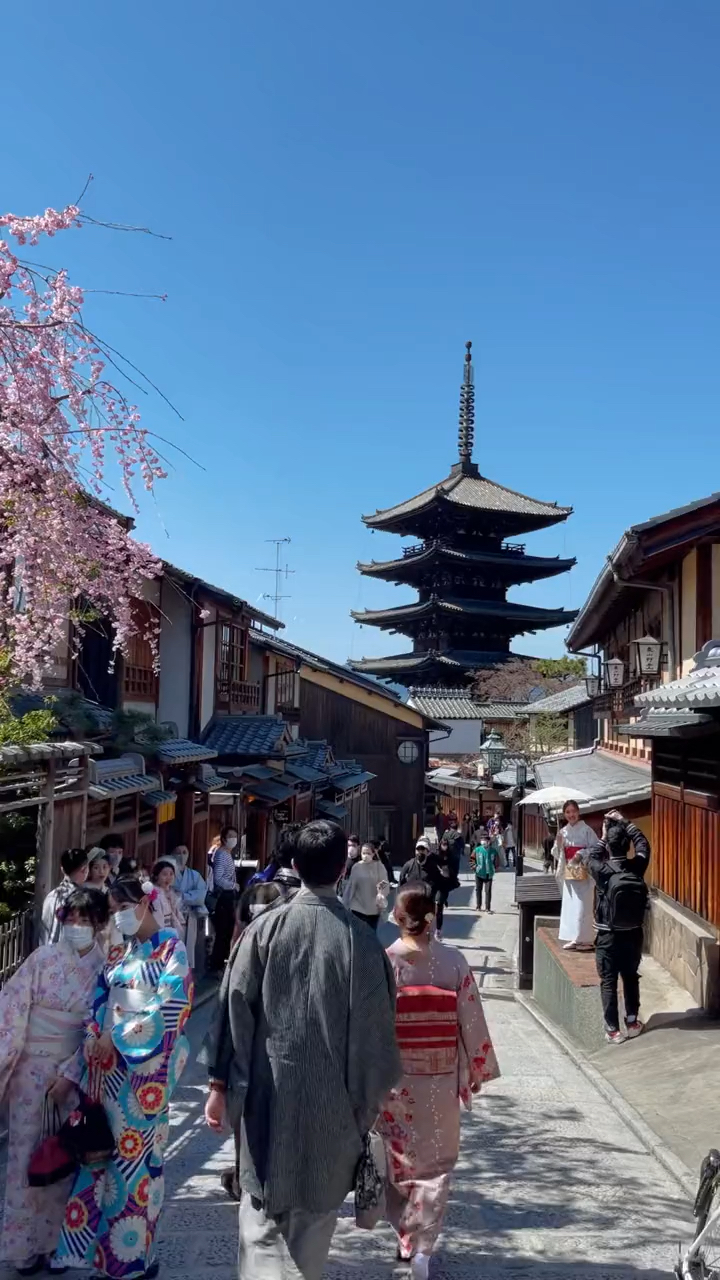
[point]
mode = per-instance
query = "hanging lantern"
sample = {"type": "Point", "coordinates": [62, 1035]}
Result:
{"type": "Point", "coordinates": [520, 774]}
{"type": "Point", "coordinates": [615, 672]}
{"type": "Point", "coordinates": [592, 686]}
{"type": "Point", "coordinates": [649, 656]}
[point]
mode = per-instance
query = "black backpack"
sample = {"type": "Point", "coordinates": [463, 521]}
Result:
{"type": "Point", "coordinates": [627, 898]}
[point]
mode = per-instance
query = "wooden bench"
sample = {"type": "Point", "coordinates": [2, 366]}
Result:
{"type": "Point", "coordinates": [566, 986]}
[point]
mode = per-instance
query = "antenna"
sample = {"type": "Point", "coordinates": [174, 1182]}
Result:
{"type": "Point", "coordinates": [280, 571]}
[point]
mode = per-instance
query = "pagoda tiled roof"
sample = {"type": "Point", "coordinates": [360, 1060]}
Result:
{"type": "Point", "coordinates": [517, 566]}
{"type": "Point", "coordinates": [468, 489]}
{"type": "Point", "coordinates": [522, 614]}
{"type": "Point", "coordinates": [416, 664]}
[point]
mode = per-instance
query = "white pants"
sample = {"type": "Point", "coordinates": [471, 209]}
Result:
{"type": "Point", "coordinates": [294, 1246]}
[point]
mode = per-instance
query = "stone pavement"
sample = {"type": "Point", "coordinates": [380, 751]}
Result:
{"type": "Point", "coordinates": [551, 1184]}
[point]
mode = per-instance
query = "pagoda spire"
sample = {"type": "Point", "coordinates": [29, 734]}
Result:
{"type": "Point", "coordinates": [466, 428]}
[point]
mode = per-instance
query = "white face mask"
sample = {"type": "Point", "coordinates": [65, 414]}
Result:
{"type": "Point", "coordinates": [231, 842]}
{"type": "Point", "coordinates": [127, 922]}
{"type": "Point", "coordinates": [79, 936]}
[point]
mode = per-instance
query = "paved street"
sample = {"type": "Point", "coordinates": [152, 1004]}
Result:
{"type": "Point", "coordinates": [551, 1184]}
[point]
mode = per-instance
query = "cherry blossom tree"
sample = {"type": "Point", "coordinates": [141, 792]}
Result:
{"type": "Point", "coordinates": [63, 423]}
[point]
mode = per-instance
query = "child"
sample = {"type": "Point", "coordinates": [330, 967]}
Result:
{"type": "Point", "coordinates": [484, 860]}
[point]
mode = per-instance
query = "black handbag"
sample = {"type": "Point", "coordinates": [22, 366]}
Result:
{"type": "Point", "coordinates": [50, 1162]}
{"type": "Point", "coordinates": [86, 1134]}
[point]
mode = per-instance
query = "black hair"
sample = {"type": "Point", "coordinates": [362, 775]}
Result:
{"type": "Point", "coordinates": [111, 842]}
{"type": "Point", "coordinates": [567, 802]}
{"type": "Point", "coordinates": [158, 867]}
{"type": "Point", "coordinates": [414, 904]}
{"type": "Point", "coordinates": [72, 860]}
{"type": "Point", "coordinates": [128, 866]}
{"type": "Point", "coordinates": [617, 837]}
{"type": "Point", "coordinates": [257, 895]}
{"type": "Point", "coordinates": [353, 839]}
{"type": "Point", "coordinates": [128, 891]}
{"type": "Point", "coordinates": [226, 832]}
{"type": "Point", "coordinates": [285, 852]}
{"type": "Point", "coordinates": [91, 903]}
{"type": "Point", "coordinates": [320, 852]}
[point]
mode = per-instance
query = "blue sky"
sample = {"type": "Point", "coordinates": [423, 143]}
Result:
{"type": "Point", "coordinates": [352, 192]}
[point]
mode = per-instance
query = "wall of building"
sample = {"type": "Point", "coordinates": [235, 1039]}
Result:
{"type": "Point", "coordinates": [716, 591]}
{"type": "Point", "coordinates": [175, 651]}
{"type": "Point", "coordinates": [464, 740]}
{"type": "Point", "coordinates": [688, 612]}
{"type": "Point", "coordinates": [207, 680]}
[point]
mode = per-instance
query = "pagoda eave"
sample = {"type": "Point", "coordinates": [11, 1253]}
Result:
{"type": "Point", "coordinates": [513, 569]}
{"type": "Point", "coordinates": [435, 667]}
{"type": "Point", "coordinates": [516, 618]}
{"type": "Point", "coordinates": [414, 523]}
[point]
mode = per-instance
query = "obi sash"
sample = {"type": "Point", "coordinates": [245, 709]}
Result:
{"type": "Point", "coordinates": [53, 1033]}
{"type": "Point", "coordinates": [427, 1030]}
{"type": "Point", "coordinates": [578, 872]}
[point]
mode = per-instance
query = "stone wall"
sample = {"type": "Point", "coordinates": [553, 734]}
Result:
{"type": "Point", "coordinates": [688, 948]}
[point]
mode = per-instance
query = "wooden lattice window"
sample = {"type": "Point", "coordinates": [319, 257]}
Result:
{"type": "Point", "coordinates": [140, 681]}
{"type": "Point", "coordinates": [285, 696]}
{"type": "Point", "coordinates": [232, 658]}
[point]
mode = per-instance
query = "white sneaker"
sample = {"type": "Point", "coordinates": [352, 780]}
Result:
{"type": "Point", "coordinates": [634, 1029]}
{"type": "Point", "coordinates": [420, 1268]}
{"type": "Point", "coordinates": [570, 946]}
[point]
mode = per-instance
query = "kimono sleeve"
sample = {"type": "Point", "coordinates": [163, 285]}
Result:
{"type": "Point", "coordinates": [74, 1068]}
{"type": "Point", "coordinates": [479, 1055]}
{"type": "Point", "coordinates": [139, 1036]}
{"type": "Point", "coordinates": [195, 894]}
{"type": "Point", "coordinates": [16, 1000]}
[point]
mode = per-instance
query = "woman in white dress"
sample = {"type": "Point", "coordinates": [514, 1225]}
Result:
{"type": "Point", "coordinates": [577, 916]}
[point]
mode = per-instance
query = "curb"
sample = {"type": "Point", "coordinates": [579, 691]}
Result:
{"type": "Point", "coordinates": [654, 1145]}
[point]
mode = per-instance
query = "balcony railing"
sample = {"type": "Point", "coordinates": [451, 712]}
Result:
{"type": "Point", "coordinates": [510, 548]}
{"type": "Point", "coordinates": [621, 701]}
{"type": "Point", "coordinates": [242, 695]}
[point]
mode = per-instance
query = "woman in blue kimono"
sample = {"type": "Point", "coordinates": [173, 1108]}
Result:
{"type": "Point", "coordinates": [135, 1038]}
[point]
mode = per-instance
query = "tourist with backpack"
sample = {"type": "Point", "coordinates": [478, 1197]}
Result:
{"type": "Point", "coordinates": [622, 901]}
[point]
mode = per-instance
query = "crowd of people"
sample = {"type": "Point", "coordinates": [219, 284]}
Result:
{"type": "Point", "coordinates": [310, 1008]}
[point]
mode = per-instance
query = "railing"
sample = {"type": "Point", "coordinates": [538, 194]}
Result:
{"type": "Point", "coordinates": [622, 701]}
{"type": "Point", "coordinates": [511, 548]}
{"type": "Point", "coordinates": [242, 695]}
{"type": "Point", "coordinates": [15, 943]}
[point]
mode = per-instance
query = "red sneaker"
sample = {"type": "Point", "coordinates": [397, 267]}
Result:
{"type": "Point", "coordinates": [634, 1029]}
{"type": "Point", "coordinates": [614, 1037]}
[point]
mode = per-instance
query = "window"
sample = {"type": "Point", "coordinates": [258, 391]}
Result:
{"type": "Point", "coordinates": [233, 689]}
{"type": "Point", "coordinates": [408, 752]}
{"type": "Point", "coordinates": [285, 696]}
{"type": "Point", "coordinates": [140, 680]}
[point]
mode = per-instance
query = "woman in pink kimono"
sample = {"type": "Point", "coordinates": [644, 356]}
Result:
{"type": "Point", "coordinates": [447, 1055]}
{"type": "Point", "coordinates": [42, 1011]}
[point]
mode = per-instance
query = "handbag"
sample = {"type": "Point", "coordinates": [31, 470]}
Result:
{"type": "Point", "coordinates": [51, 1161]}
{"type": "Point", "coordinates": [370, 1183]}
{"type": "Point", "coordinates": [86, 1134]}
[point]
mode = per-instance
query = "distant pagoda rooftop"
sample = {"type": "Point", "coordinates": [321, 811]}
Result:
{"type": "Point", "coordinates": [461, 569]}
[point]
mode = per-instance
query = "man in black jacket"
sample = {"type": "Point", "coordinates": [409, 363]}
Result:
{"type": "Point", "coordinates": [622, 899]}
{"type": "Point", "coordinates": [424, 869]}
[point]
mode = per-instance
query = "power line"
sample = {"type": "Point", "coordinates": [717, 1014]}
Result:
{"type": "Point", "coordinates": [281, 572]}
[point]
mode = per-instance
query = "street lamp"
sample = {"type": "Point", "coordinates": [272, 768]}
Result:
{"type": "Point", "coordinates": [615, 672]}
{"type": "Point", "coordinates": [521, 774]}
{"type": "Point", "coordinates": [649, 655]}
{"type": "Point", "coordinates": [493, 752]}
{"type": "Point", "coordinates": [592, 686]}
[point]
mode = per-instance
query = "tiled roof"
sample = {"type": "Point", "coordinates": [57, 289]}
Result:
{"type": "Point", "coordinates": [565, 700]}
{"type": "Point", "coordinates": [126, 784]}
{"type": "Point", "coordinates": [11, 754]}
{"type": "Point", "coordinates": [275, 645]}
{"type": "Point", "coordinates": [304, 772]}
{"type": "Point", "coordinates": [348, 781]}
{"type": "Point", "coordinates": [209, 780]}
{"type": "Point", "coordinates": [528, 614]}
{"type": "Point", "coordinates": [183, 751]}
{"type": "Point", "coordinates": [699, 691]}
{"type": "Point", "coordinates": [656, 722]}
{"type": "Point", "coordinates": [157, 798]}
{"type": "Point", "coordinates": [518, 566]}
{"type": "Point", "coordinates": [277, 792]}
{"type": "Point", "coordinates": [25, 700]}
{"type": "Point", "coordinates": [446, 704]}
{"type": "Point", "coordinates": [246, 735]}
{"type": "Point", "coordinates": [415, 663]}
{"type": "Point", "coordinates": [477, 493]}
{"type": "Point", "coordinates": [336, 811]}
{"type": "Point", "coordinates": [596, 774]}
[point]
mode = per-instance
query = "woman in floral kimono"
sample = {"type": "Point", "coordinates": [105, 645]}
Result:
{"type": "Point", "coordinates": [447, 1055]}
{"type": "Point", "coordinates": [43, 1009]}
{"type": "Point", "coordinates": [135, 1035]}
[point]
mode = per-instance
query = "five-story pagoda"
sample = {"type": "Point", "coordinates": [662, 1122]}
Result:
{"type": "Point", "coordinates": [461, 569]}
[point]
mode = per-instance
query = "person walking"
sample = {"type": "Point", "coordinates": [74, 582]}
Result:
{"type": "Point", "coordinates": [622, 901]}
{"type": "Point", "coordinates": [225, 889]}
{"type": "Point", "coordinates": [456, 843]}
{"type": "Point", "coordinates": [43, 1008]}
{"type": "Point", "coordinates": [483, 861]}
{"type": "Point", "coordinates": [382, 850]}
{"type": "Point", "coordinates": [447, 882]}
{"type": "Point", "coordinates": [74, 866]}
{"type": "Point", "coordinates": [447, 1055]}
{"type": "Point", "coordinates": [135, 1039]}
{"type": "Point", "coordinates": [422, 869]}
{"type": "Point", "coordinates": [354, 851]}
{"type": "Point", "coordinates": [312, 1013]}
{"type": "Point", "coordinates": [577, 926]}
{"type": "Point", "coordinates": [494, 830]}
{"type": "Point", "coordinates": [192, 890]}
{"type": "Point", "coordinates": [365, 892]}
{"type": "Point", "coordinates": [508, 839]}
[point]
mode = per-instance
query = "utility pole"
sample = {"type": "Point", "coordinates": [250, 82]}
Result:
{"type": "Point", "coordinates": [280, 571]}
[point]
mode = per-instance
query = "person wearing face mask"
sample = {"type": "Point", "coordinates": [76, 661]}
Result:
{"type": "Point", "coordinates": [192, 889]}
{"type": "Point", "coordinates": [353, 855]}
{"type": "Point", "coordinates": [115, 852]}
{"type": "Point", "coordinates": [135, 1037]}
{"type": "Point", "coordinates": [365, 893]}
{"type": "Point", "coordinates": [43, 1008]}
{"type": "Point", "coordinates": [225, 888]}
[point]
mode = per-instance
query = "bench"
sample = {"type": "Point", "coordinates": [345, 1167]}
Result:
{"type": "Point", "coordinates": [566, 986]}
{"type": "Point", "coordinates": [534, 895]}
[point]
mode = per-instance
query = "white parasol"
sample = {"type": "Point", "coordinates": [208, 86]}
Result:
{"type": "Point", "coordinates": [553, 797]}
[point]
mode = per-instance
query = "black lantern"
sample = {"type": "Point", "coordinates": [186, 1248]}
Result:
{"type": "Point", "coordinates": [493, 752]}
{"type": "Point", "coordinates": [649, 656]}
{"type": "Point", "coordinates": [615, 673]}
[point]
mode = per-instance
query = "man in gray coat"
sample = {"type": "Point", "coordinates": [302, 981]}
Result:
{"type": "Point", "coordinates": [312, 1017]}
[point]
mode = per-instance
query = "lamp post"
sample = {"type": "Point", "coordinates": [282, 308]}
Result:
{"type": "Point", "coordinates": [493, 753]}
{"type": "Point", "coordinates": [592, 686]}
{"type": "Point", "coordinates": [520, 782]}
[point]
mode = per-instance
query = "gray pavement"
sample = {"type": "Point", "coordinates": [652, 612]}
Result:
{"type": "Point", "coordinates": [551, 1184]}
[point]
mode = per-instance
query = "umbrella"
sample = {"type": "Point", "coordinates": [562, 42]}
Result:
{"type": "Point", "coordinates": [553, 797]}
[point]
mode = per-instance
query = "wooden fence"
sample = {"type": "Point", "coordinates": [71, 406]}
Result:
{"type": "Point", "coordinates": [686, 849]}
{"type": "Point", "coordinates": [16, 942]}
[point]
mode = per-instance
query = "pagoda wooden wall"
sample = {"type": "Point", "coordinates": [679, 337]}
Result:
{"type": "Point", "coordinates": [372, 737]}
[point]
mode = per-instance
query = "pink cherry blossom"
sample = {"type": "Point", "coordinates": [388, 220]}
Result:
{"type": "Point", "coordinates": [61, 422]}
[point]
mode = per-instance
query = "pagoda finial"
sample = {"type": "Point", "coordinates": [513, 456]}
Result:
{"type": "Point", "coordinates": [466, 430]}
